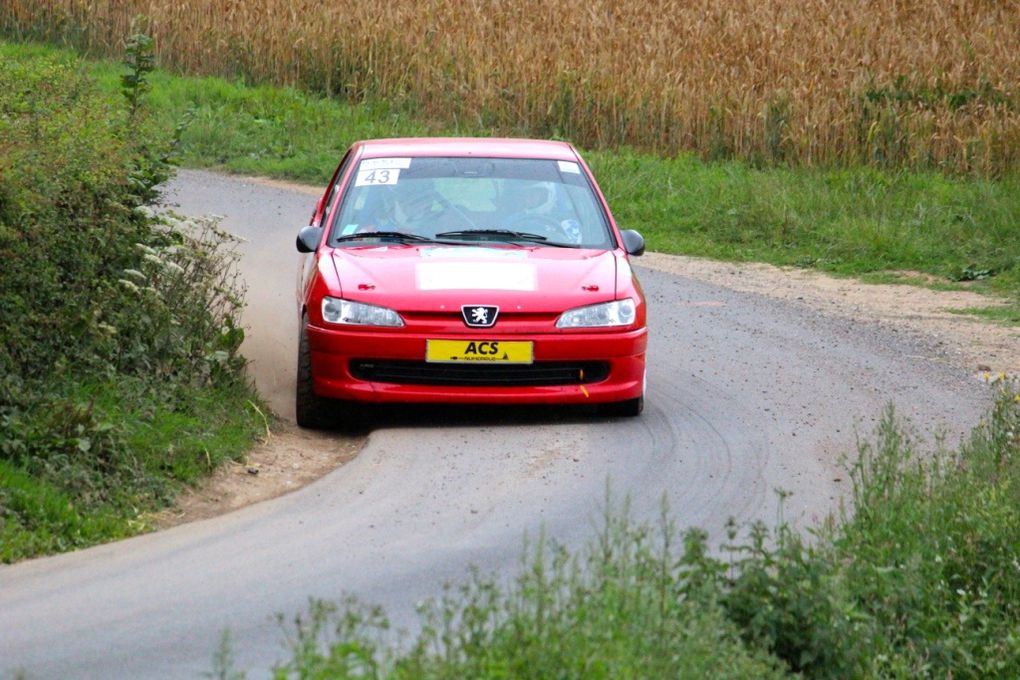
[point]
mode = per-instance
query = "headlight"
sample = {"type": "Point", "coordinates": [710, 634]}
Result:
{"type": "Point", "coordinates": [615, 313]}
{"type": "Point", "coordinates": [337, 310]}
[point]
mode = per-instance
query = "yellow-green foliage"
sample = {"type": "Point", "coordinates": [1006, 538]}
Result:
{"type": "Point", "coordinates": [916, 82]}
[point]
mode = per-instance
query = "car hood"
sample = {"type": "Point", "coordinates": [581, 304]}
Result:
{"type": "Point", "coordinates": [430, 278]}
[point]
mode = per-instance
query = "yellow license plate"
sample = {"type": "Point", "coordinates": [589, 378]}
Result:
{"type": "Point", "coordinates": [495, 351]}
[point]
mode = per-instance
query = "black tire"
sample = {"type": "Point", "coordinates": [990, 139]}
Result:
{"type": "Point", "coordinates": [629, 408]}
{"type": "Point", "coordinates": [312, 410]}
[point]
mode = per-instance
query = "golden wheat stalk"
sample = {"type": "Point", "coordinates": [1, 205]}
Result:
{"type": "Point", "coordinates": [811, 81]}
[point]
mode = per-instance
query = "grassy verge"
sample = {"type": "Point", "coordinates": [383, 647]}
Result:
{"type": "Point", "coordinates": [107, 454]}
{"type": "Point", "coordinates": [852, 221]}
{"type": "Point", "coordinates": [119, 374]}
{"type": "Point", "coordinates": [920, 582]}
{"type": "Point", "coordinates": [1009, 315]}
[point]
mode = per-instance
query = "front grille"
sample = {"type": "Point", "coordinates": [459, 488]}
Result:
{"type": "Point", "coordinates": [509, 322]}
{"type": "Point", "coordinates": [538, 374]}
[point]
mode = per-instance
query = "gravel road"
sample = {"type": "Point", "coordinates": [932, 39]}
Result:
{"type": "Point", "coordinates": [747, 394]}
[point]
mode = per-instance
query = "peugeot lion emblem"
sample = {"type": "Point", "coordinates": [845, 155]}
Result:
{"type": "Point", "coordinates": [480, 316]}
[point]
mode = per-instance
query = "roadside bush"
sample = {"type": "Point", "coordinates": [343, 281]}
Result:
{"type": "Point", "coordinates": [920, 580]}
{"type": "Point", "coordinates": [75, 171]}
{"type": "Point", "coordinates": [618, 609]}
{"type": "Point", "coordinates": [932, 552]}
{"type": "Point", "coordinates": [113, 321]}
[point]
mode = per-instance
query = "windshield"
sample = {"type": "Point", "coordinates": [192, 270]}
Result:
{"type": "Point", "coordinates": [507, 200]}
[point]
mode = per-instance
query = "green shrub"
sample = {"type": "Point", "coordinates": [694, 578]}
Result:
{"type": "Point", "coordinates": [920, 581]}
{"type": "Point", "coordinates": [113, 320]}
{"type": "Point", "coordinates": [619, 609]}
{"type": "Point", "coordinates": [932, 551]}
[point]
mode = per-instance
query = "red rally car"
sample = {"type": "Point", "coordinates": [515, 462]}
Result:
{"type": "Point", "coordinates": [468, 271]}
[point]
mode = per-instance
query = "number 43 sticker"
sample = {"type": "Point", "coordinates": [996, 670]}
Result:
{"type": "Point", "coordinates": [380, 176]}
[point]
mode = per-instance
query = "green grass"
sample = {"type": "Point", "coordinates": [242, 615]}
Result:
{"type": "Point", "coordinates": [146, 446]}
{"type": "Point", "coordinates": [37, 517]}
{"type": "Point", "coordinates": [1009, 314]}
{"type": "Point", "coordinates": [850, 221]}
{"type": "Point", "coordinates": [847, 221]}
{"type": "Point", "coordinates": [920, 280]}
{"type": "Point", "coordinates": [260, 130]}
{"type": "Point", "coordinates": [271, 131]}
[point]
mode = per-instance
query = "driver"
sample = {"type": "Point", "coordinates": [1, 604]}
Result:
{"type": "Point", "coordinates": [414, 203]}
{"type": "Point", "coordinates": [538, 210]}
{"type": "Point", "coordinates": [403, 207]}
{"type": "Point", "coordinates": [539, 198]}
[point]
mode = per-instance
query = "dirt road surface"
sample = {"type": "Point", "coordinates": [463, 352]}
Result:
{"type": "Point", "coordinates": [750, 390]}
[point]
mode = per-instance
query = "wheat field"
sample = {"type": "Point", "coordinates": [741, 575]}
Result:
{"type": "Point", "coordinates": [904, 83]}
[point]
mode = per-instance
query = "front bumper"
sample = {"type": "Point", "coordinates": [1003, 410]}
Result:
{"type": "Point", "coordinates": [333, 352]}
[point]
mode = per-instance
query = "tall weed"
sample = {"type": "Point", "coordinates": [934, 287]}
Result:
{"type": "Point", "coordinates": [918, 580]}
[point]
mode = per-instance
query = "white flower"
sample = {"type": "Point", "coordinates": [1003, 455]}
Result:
{"type": "Point", "coordinates": [135, 274]}
{"type": "Point", "coordinates": [173, 266]}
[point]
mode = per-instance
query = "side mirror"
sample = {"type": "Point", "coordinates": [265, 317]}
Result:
{"type": "Point", "coordinates": [633, 242]}
{"type": "Point", "coordinates": [308, 239]}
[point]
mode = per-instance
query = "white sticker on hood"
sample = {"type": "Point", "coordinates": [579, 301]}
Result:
{"type": "Point", "coordinates": [474, 253]}
{"type": "Point", "coordinates": [476, 276]}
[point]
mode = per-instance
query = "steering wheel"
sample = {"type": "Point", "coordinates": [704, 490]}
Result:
{"type": "Point", "coordinates": [543, 225]}
{"type": "Point", "coordinates": [447, 207]}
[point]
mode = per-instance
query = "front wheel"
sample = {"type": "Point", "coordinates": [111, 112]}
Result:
{"type": "Point", "coordinates": [628, 408]}
{"type": "Point", "coordinates": [312, 411]}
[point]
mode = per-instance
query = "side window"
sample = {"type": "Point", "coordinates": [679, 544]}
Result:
{"type": "Point", "coordinates": [334, 192]}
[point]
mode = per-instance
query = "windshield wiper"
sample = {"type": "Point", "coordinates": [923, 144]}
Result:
{"type": "Point", "coordinates": [504, 235]}
{"type": "Point", "coordinates": [395, 235]}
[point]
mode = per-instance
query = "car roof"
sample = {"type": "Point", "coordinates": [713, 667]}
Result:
{"type": "Point", "coordinates": [484, 147]}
